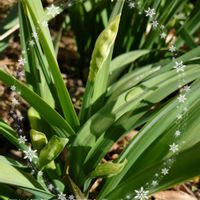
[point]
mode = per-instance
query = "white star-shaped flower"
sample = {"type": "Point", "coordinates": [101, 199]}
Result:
{"type": "Point", "coordinates": [50, 186]}
{"type": "Point", "coordinates": [163, 35]}
{"type": "Point", "coordinates": [40, 173]}
{"type": "Point", "coordinates": [154, 183]}
{"type": "Point", "coordinates": [186, 88]}
{"type": "Point", "coordinates": [131, 4]}
{"type": "Point", "coordinates": [181, 98]}
{"type": "Point", "coordinates": [179, 116]}
{"type": "Point", "coordinates": [35, 35]}
{"type": "Point", "coordinates": [179, 66]}
{"type": "Point", "coordinates": [22, 139]}
{"type": "Point", "coordinates": [44, 23]}
{"type": "Point", "coordinates": [31, 43]}
{"type": "Point", "coordinates": [53, 10]}
{"type": "Point", "coordinates": [171, 160]}
{"type": "Point", "coordinates": [150, 12]}
{"type": "Point", "coordinates": [62, 196]}
{"type": "Point", "coordinates": [165, 171]}
{"type": "Point", "coordinates": [172, 48]}
{"type": "Point", "coordinates": [162, 27]}
{"type": "Point", "coordinates": [15, 102]}
{"type": "Point", "coordinates": [71, 197]}
{"type": "Point", "coordinates": [30, 154]}
{"type": "Point", "coordinates": [154, 24]}
{"type": "Point", "coordinates": [20, 131]}
{"type": "Point", "coordinates": [13, 88]}
{"type": "Point", "coordinates": [21, 118]}
{"type": "Point", "coordinates": [177, 133]}
{"type": "Point", "coordinates": [174, 147]}
{"type": "Point", "coordinates": [20, 74]}
{"type": "Point", "coordinates": [141, 194]}
{"type": "Point", "coordinates": [22, 61]}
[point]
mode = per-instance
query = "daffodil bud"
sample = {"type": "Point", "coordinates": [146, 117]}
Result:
{"type": "Point", "coordinates": [52, 150]}
{"type": "Point", "coordinates": [38, 139]}
{"type": "Point", "coordinates": [108, 169]}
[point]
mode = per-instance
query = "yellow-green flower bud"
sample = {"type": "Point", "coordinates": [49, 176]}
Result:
{"type": "Point", "coordinates": [51, 151]}
{"type": "Point", "coordinates": [38, 139]}
{"type": "Point", "coordinates": [108, 169]}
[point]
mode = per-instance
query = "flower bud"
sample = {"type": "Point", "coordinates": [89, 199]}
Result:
{"type": "Point", "coordinates": [108, 169]}
{"type": "Point", "coordinates": [52, 150]}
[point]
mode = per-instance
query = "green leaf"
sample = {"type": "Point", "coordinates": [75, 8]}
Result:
{"type": "Point", "coordinates": [60, 126]}
{"type": "Point", "coordinates": [119, 63]}
{"type": "Point", "coordinates": [189, 159]}
{"type": "Point", "coordinates": [37, 15]}
{"type": "Point", "coordinates": [21, 180]}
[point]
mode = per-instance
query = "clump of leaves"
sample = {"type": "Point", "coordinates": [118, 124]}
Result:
{"type": "Point", "coordinates": [112, 106]}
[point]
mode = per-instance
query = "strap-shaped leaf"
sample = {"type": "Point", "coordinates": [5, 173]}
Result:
{"type": "Point", "coordinates": [61, 127]}
{"type": "Point", "coordinates": [37, 15]}
{"type": "Point", "coordinates": [12, 176]}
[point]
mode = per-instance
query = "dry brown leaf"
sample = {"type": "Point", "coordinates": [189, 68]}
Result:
{"type": "Point", "coordinates": [173, 195]}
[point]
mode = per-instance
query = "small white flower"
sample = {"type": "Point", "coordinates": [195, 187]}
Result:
{"type": "Point", "coordinates": [185, 109]}
{"type": "Point", "coordinates": [35, 35]}
{"type": "Point", "coordinates": [179, 66]}
{"type": "Point", "coordinates": [30, 154]}
{"type": "Point", "coordinates": [20, 74]}
{"type": "Point", "coordinates": [181, 98]}
{"type": "Point", "coordinates": [154, 24]}
{"type": "Point", "coordinates": [131, 4]}
{"type": "Point", "coordinates": [174, 147]}
{"type": "Point", "coordinates": [172, 48]}
{"type": "Point", "coordinates": [21, 118]}
{"type": "Point", "coordinates": [40, 173]}
{"type": "Point", "coordinates": [171, 160]}
{"type": "Point", "coordinates": [22, 61]}
{"type": "Point", "coordinates": [186, 88]}
{"type": "Point", "coordinates": [164, 171]}
{"type": "Point", "coordinates": [162, 27]}
{"type": "Point", "coordinates": [71, 197]}
{"type": "Point", "coordinates": [150, 12]}
{"type": "Point", "coordinates": [163, 35]}
{"type": "Point", "coordinates": [177, 133]}
{"type": "Point", "coordinates": [22, 139]}
{"type": "Point", "coordinates": [62, 196]}
{"type": "Point", "coordinates": [179, 116]}
{"type": "Point", "coordinates": [20, 131]}
{"type": "Point", "coordinates": [50, 186]}
{"type": "Point", "coordinates": [13, 88]}
{"type": "Point", "coordinates": [53, 10]}
{"type": "Point", "coordinates": [15, 102]}
{"type": "Point", "coordinates": [31, 43]}
{"type": "Point", "coordinates": [141, 194]}
{"type": "Point", "coordinates": [44, 23]}
{"type": "Point", "coordinates": [128, 196]}
{"type": "Point", "coordinates": [154, 183]}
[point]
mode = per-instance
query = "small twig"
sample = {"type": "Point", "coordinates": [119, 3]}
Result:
{"type": "Point", "coordinates": [9, 32]}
